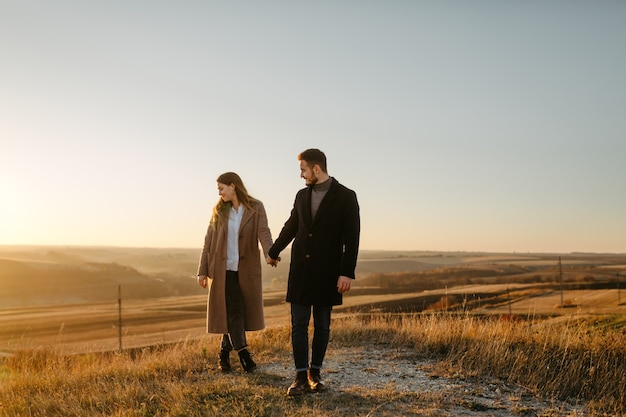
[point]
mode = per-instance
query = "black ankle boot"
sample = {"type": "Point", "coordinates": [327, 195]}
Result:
{"type": "Point", "coordinates": [223, 363]}
{"type": "Point", "coordinates": [247, 363]}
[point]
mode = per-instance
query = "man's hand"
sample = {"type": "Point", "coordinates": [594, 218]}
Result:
{"type": "Point", "coordinates": [202, 280]}
{"type": "Point", "coordinates": [343, 284]}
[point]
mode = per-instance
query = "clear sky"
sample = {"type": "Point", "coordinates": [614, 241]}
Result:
{"type": "Point", "coordinates": [461, 125]}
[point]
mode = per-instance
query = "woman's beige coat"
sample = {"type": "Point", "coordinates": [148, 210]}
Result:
{"type": "Point", "coordinates": [253, 229]}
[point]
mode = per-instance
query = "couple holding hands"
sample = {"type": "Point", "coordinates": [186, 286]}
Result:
{"type": "Point", "coordinates": [324, 226]}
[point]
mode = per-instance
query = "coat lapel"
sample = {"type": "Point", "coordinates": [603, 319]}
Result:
{"type": "Point", "coordinates": [307, 207]}
{"type": "Point", "coordinates": [247, 215]}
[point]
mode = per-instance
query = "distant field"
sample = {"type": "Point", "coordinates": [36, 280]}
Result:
{"type": "Point", "coordinates": [66, 298]}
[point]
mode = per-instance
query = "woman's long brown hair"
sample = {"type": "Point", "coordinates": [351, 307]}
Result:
{"type": "Point", "coordinates": [244, 198]}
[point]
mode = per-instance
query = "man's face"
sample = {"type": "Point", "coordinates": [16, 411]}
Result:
{"type": "Point", "coordinates": [307, 173]}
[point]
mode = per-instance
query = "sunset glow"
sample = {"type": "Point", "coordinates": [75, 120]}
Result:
{"type": "Point", "coordinates": [493, 127]}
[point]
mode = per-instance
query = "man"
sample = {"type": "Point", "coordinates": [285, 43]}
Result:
{"type": "Point", "coordinates": [324, 225]}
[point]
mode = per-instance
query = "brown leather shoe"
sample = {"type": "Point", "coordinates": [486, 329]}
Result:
{"type": "Point", "coordinates": [315, 381]}
{"type": "Point", "coordinates": [299, 386]}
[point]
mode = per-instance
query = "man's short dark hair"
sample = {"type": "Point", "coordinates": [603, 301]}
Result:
{"type": "Point", "coordinates": [314, 157]}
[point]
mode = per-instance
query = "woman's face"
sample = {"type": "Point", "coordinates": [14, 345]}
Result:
{"type": "Point", "coordinates": [227, 192]}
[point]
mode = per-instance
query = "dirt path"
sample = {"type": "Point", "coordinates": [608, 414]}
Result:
{"type": "Point", "coordinates": [414, 388]}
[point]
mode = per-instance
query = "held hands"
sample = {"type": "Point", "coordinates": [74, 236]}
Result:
{"type": "Point", "coordinates": [343, 284]}
{"type": "Point", "coordinates": [273, 262]}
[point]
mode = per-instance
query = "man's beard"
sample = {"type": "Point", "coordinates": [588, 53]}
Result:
{"type": "Point", "coordinates": [313, 180]}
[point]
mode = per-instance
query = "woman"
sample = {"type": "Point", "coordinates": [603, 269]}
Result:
{"type": "Point", "coordinates": [230, 266]}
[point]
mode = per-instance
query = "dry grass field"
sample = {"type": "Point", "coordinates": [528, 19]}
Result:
{"type": "Point", "coordinates": [467, 334]}
{"type": "Point", "coordinates": [378, 365]}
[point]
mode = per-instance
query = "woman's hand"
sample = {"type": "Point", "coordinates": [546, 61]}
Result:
{"type": "Point", "coordinates": [202, 280]}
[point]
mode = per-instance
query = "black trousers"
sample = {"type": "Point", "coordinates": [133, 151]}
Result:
{"type": "Point", "coordinates": [236, 336]}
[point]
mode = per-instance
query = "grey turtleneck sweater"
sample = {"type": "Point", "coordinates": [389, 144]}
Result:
{"type": "Point", "coordinates": [318, 194]}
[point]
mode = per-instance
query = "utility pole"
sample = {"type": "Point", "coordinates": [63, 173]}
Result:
{"type": "Point", "coordinates": [619, 295]}
{"type": "Point", "coordinates": [119, 316]}
{"type": "Point", "coordinates": [561, 281]}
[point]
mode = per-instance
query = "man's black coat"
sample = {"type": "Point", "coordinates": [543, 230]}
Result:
{"type": "Point", "coordinates": [323, 248]}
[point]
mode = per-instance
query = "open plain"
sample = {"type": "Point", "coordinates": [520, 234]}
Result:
{"type": "Point", "coordinates": [68, 299]}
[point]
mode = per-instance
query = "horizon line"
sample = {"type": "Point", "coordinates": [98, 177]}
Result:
{"type": "Point", "coordinates": [528, 252]}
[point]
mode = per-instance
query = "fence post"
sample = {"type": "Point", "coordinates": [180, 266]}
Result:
{"type": "Point", "coordinates": [508, 294]}
{"type": "Point", "coordinates": [561, 281]}
{"type": "Point", "coordinates": [119, 317]}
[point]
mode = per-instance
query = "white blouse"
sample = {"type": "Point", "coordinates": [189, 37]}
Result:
{"type": "Point", "coordinates": [232, 240]}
